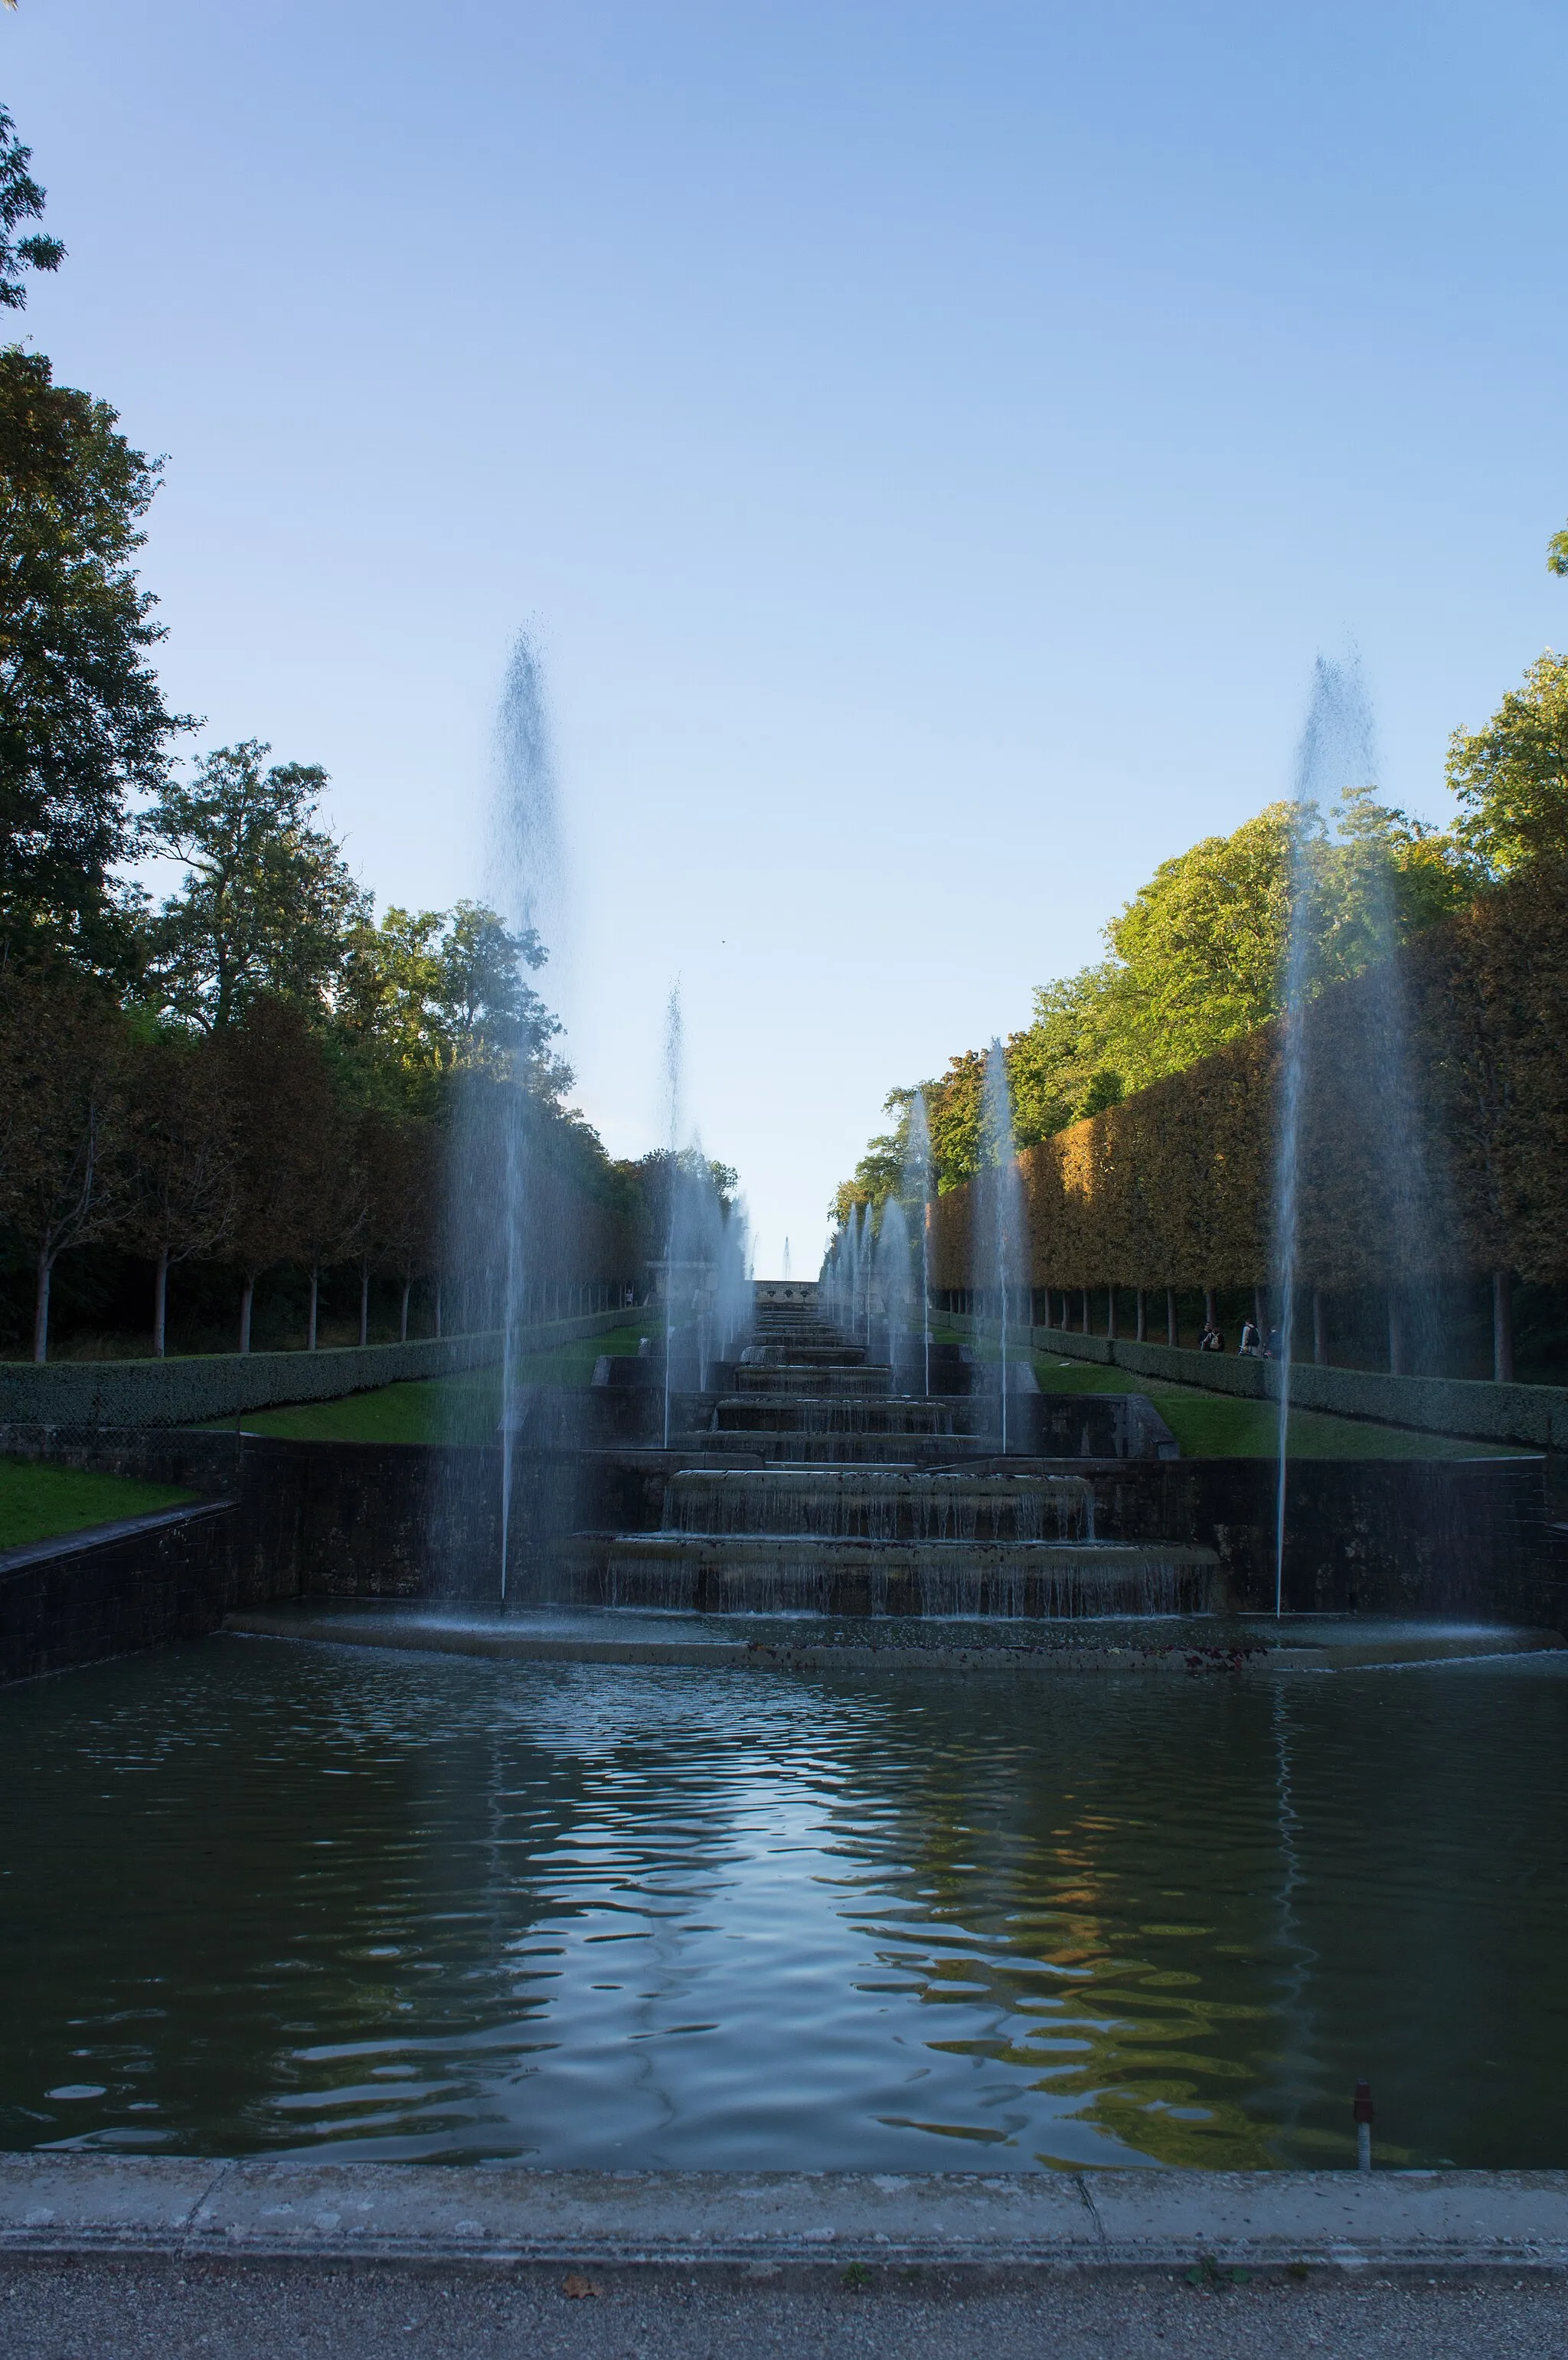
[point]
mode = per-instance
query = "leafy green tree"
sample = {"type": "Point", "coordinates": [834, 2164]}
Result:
{"type": "Point", "coordinates": [267, 906]}
{"type": "Point", "coordinates": [425, 994]}
{"type": "Point", "coordinates": [1512, 776]}
{"type": "Point", "coordinates": [21, 200]}
{"type": "Point", "coordinates": [179, 1160]}
{"type": "Point", "coordinates": [61, 1102]}
{"type": "Point", "coordinates": [82, 722]}
{"type": "Point", "coordinates": [1557, 552]}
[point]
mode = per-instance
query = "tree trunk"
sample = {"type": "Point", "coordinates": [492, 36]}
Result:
{"type": "Point", "coordinates": [1172, 1330]}
{"type": "Point", "coordinates": [1395, 1334]}
{"type": "Point", "coordinates": [40, 1308]}
{"type": "Point", "coordinates": [438, 1308]}
{"type": "Point", "coordinates": [1320, 1330]}
{"type": "Point", "coordinates": [403, 1325]}
{"type": "Point", "coordinates": [1260, 1312]}
{"type": "Point", "coordinates": [1110, 1312]}
{"type": "Point", "coordinates": [1502, 1327]}
{"type": "Point", "coordinates": [315, 1299]}
{"type": "Point", "coordinates": [1142, 1318]}
{"type": "Point", "coordinates": [160, 1303]}
{"type": "Point", "coordinates": [1209, 1320]}
{"type": "Point", "coordinates": [248, 1296]}
{"type": "Point", "coordinates": [363, 1304]}
{"type": "Point", "coordinates": [1085, 1295]}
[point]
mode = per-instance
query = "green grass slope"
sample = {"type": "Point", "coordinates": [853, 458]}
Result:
{"type": "Point", "coordinates": [39, 1503]}
{"type": "Point", "coordinates": [441, 1409]}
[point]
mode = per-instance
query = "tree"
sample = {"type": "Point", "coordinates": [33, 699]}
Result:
{"type": "Point", "coordinates": [402, 1163]}
{"type": "Point", "coordinates": [1512, 776]}
{"type": "Point", "coordinates": [280, 1087]}
{"type": "Point", "coordinates": [82, 721]}
{"type": "Point", "coordinates": [61, 1046]}
{"type": "Point", "coordinates": [1557, 552]}
{"type": "Point", "coordinates": [180, 1159]}
{"type": "Point", "coordinates": [267, 903]}
{"type": "Point", "coordinates": [21, 199]}
{"type": "Point", "coordinates": [425, 994]}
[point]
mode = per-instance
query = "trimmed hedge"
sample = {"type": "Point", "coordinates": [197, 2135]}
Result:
{"type": "Point", "coordinates": [219, 1384]}
{"type": "Point", "coordinates": [1452, 1157]}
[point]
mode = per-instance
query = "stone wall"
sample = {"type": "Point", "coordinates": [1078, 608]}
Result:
{"type": "Point", "coordinates": [1463, 1539]}
{"type": "Point", "coordinates": [120, 1589]}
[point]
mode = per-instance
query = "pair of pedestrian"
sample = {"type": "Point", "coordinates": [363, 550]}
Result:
{"type": "Point", "coordinates": [1211, 1340]}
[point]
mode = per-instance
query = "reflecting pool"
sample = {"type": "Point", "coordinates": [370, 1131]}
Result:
{"type": "Point", "coordinates": [257, 1895]}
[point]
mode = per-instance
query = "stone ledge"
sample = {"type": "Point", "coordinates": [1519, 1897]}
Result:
{"type": "Point", "coordinates": [499, 2214]}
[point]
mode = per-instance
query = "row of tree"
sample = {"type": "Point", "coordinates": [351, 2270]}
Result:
{"type": "Point", "coordinates": [253, 1072]}
{"type": "Point", "coordinates": [1197, 958]}
{"type": "Point", "coordinates": [265, 1145]}
{"type": "Point", "coordinates": [1433, 1131]}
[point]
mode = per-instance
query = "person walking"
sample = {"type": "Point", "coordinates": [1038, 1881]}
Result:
{"type": "Point", "coordinates": [1251, 1343]}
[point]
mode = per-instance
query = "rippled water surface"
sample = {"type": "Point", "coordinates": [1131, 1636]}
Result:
{"type": "Point", "coordinates": [256, 1896]}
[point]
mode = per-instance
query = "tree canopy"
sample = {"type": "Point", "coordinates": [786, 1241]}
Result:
{"type": "Point", "coordinates": [21, 200]}
{"type": "Point", "coordinates": [83, 725]}
{"type": "Point", "coordinates": [1512, 777]}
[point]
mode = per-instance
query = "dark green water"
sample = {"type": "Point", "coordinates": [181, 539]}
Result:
{"type": "Point", "coordinates": [257, 1896]}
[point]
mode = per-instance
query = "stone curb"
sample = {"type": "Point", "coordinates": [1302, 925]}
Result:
{"type": "Point", "coordinates": [774, 1656]}
{"type": "Point", "coordinates": [52, 2203]}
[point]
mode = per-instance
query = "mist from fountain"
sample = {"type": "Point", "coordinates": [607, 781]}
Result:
{"type": "Point", "coordinates": [1000, 1248]}
{"type": "Point", "coordinates": [493, 1243]}
{"type": "Point", "coordinates": [706, 1279]}
{"type": "Point", "coordinates": [896, 1290]}
{"type": "Point", "coordinates": [1353, 1101]}
{"type": "Point", "coordinates": [917, 1188]}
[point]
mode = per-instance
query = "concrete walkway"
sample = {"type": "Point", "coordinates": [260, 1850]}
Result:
{"type": "Point", "coordinates": [437, 2214]}
{"type": "Point", "coordinates": [156, 2309]}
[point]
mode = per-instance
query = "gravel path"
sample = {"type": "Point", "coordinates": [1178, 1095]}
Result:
{"type": "Point", "coordinates": [92, 2310]}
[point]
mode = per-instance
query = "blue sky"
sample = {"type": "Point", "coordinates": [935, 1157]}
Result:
{"type": "Point", "coordinates": [930, 442]}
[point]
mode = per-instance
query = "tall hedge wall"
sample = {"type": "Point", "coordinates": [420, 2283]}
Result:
{"type": "Point", "coordinates": [1433, 1133]}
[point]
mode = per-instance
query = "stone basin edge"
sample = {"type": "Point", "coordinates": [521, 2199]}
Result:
{"type": "Point", "coordinates": [499, 2214]}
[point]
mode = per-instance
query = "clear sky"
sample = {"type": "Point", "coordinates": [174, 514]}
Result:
{"type": "Point", "coordinates": [929, 442]}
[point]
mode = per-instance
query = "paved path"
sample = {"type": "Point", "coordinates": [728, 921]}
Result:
{"type": "Point", "coordinates": [161, 2310]}
{"type": "Point", "coordinates": [163, 2258]}
{"type": "Point", "coordinates": [195, 2209]}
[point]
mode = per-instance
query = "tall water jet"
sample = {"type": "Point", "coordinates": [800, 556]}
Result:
{"type": "Point", "coordinates": [917, 1188]}
{"type": "Point", "coordinates": [494, 1244]}
{"type": "Point", "coordinates": [1355, 1195]}
{"type": "Point", "coordinates": [1287, 1180]}
{"type": "Point", "coordinates": [705, 1287]}
{"type": "Point", "coordinates": [1001, 1257]}
{"type": "Point", "coordinates": [673, 1048]}
{"type": "Point", "coordinates": [894, 1286]}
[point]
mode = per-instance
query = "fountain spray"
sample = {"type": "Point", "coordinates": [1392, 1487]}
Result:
{"type": "Point", "coordinates": [525, 868]}
{"type": "Point", "coordinates": [672, 1055]}
{"type": "Point", "coordinates": [917, 1187]}
{"type": "Point", "coordinates": [1002, 1204]}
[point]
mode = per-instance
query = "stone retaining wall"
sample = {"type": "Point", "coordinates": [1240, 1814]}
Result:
{"type": "Point", "coordinates": [121, 1588]}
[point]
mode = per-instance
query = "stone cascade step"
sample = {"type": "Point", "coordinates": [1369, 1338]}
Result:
{"type": "Point", "coordinates": [841, 1413]}
{"type": "Point", "coordinates": [880, 1504]}
{"type": "Point", "coordinates": [791, 1377]}
{"type": "Point", "coordinates": [778, 1575]}
{"type": "Point", "coordinates": [792, 1354]}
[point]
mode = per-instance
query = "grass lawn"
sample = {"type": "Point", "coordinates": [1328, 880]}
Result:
{"type": "Point", "coordinates": [1221, 1425]}
{"type": "Point", "coordinates": [442, 1409]}
{"type": "Point", "coordinates": [37, 1502]}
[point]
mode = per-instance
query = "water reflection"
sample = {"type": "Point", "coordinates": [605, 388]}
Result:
{"type": "Point", "coordinates": [256, 1897]}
